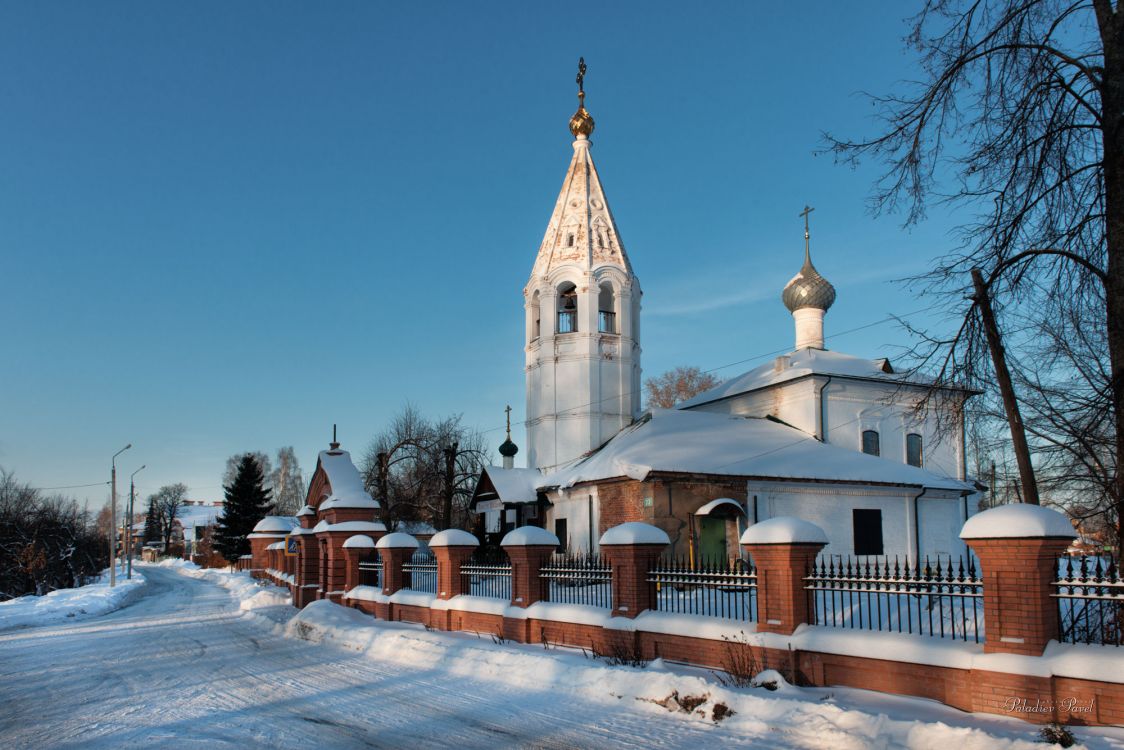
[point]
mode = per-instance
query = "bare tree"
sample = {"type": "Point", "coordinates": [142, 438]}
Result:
{"type": "Point", "coordinates": [676, 386]}
{"type": "Point", "coordinates": [166, 504]}
{"type": "Point", "coordinates": [1021, 114]}
{"type": "Point", "coordinates": [288, 485]}
{"type": "Point", "coordinates": [422, 470]}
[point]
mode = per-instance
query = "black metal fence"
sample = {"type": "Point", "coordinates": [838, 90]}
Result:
{"type": "Point", "coordinates": [579, 579]}
{"type": "Point", "coordinates": [717, 588]}
{"type": "Point", "coordinates": [422, 569]}
{"type": "Point", "coordinates": [370, 574]}
{"type": "Point", "coordinates": [941, 598]}
{"type": "Point", "coordinates": [488, 573]}
{"type": "Point", "coordinates": [1090, 597]}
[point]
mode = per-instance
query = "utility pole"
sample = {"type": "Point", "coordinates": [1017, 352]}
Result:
{"type": "Point", "coordinates": [1006, 389]}
{"type": "Point", "coordinates": [113, 516]}
{"type": "Point", "coordinates": [129, 530]}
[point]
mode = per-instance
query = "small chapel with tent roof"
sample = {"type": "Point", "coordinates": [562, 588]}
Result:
{"type": "Point", "coordinates": [845, 442]}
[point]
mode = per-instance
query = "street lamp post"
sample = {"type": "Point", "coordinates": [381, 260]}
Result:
{"type": "Point", "coordinates": [129, 529]}
{"type": "Point", "coordinates": [113, 517]}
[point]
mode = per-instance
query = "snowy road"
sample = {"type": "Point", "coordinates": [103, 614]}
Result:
{"type": "Point", "coordinates": [182, 667]}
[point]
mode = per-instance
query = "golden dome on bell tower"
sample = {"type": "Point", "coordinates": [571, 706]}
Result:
{"type": "Point", "coordinates": [581, 124]}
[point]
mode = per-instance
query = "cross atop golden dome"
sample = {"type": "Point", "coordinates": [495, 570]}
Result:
{"type": "Point", "coordinates": [581, 124]}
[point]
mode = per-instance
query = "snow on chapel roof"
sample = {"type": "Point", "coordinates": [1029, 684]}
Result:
{"type": "Point", "coordinates": [695, 442]}
{"type": "Point", "coordinates": [346, 482]}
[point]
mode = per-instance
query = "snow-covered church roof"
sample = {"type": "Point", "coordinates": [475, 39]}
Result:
{"type": "Point", "coordinates": [802, 363]}
{"type": "Point", "coordinates": [696, 442]}
{"type": "Point", "coordinates": [510, 485]}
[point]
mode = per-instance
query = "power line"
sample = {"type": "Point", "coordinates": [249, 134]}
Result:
{"type": "Point", "coordinates": [70, 486]}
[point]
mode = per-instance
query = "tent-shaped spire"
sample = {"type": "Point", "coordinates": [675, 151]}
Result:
{"type": "Point", "coordinates": [581, 229]}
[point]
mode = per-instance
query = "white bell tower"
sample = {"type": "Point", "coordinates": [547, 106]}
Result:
{"type": "Point", "coordinates": [583, 319]}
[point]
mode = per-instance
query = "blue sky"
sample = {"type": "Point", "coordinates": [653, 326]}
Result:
{"type": "Point", "coordinates": [227, 226]}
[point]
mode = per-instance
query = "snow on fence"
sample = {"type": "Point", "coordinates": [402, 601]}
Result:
{"type": "Point", "coordinates": [579, 579]}
{"type": "Point", "coordinates": [941, 598]}
{"type": "Point", "coordinates": [422, 571]}
{"type": "Point", "coordinates": [488, 573]}
{"type": "Point", "coordinates": [1090, 595]}
{"type": "Point", "coordinates": [717, 588]}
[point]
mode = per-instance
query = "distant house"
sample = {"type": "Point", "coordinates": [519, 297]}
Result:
{"type": "Point", "coordinates": [191, 535]}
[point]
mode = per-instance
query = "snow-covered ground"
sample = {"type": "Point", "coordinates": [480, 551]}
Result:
{"type": "Point", "coordinates": [212, 659]}
{"type": "Point", "coordinates": [72, 604]}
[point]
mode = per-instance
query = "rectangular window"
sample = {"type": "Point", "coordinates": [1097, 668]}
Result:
{"type": "Point", "coordinates": [868, 531]}
{"type": "Point", "coordinates": [870, 443]}
{"type": "Point", "coordinates": [913, 449]}
{"type": "Point", "coordinates": [560, 532]}
{"type": "Point", "coordinates": [567, 321]}
{"type": "Point", "coordinates": [606, 322]}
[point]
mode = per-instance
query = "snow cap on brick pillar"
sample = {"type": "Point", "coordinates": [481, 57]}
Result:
{"type": "Point", "coordinates": [358, 548]}
{"type": "Point", "coordinates": [528, 547]}
{"type": "Point", "coordinates": [333, 576]}
{"type": "Point", "coordinates": [1019, 546]}
{"type": "Point", "coordinates": [782, 548]}
{"type": "Point", "coordinates": [265, 532]}
{"type": "Point", "coordinates": [631, 549]}
{"type": "Point", "coordinates": [452, 548]}
{"type": "Point", "coordinates": [307, 517]}
{"type": "Point", "coordinates": [395, 549]}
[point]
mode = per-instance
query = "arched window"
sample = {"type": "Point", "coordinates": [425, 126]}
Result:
{"type": "Point", "coordinates": [606, 309]}
{"type": "Point", "coordinates": [536, 317]}
{"type": "Point", "coordinates": [870, 442]}
{"type": "Point", "coordinates": [913, 449]}
{"type": "Point", "coordinates": [567, 308]}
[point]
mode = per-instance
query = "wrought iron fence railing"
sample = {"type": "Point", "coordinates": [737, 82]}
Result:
{"type": "Point", "coordinates": [579, 579]}
{"type": "Point", "coordinates": [716, 588]}
{"type": "Point", "coordinates": [1090, 595]}
{"type": "Point", "coordinates": [942, 598]}
{"type": "Point", "coordinates": [370, 574]}
{"type": "Point", "coordinates": [488, 574]}
{"type": "Point", "coordinates": [422, 570]}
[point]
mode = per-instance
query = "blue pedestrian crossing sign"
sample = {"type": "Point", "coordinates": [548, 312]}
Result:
{"type": "Point", "coordinates": [292, 545]}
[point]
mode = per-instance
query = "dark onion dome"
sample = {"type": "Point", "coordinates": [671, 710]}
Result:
{"type": "Point", "coordinates": [808, 289]}
{"type": "Point", "coordinates": [508, 449]}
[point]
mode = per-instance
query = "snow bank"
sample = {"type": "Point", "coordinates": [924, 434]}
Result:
{"type": "Point", "coordinates": [635, 532]}
{"type": "Point", "coordinates": [252, 593]}
{"type": "Point", "coordinates": [1017, 520]}
{"type": "Point", "coordinates": [784, 530]}
{"type": "Point", "coordinates": [73, 604]}
{"type": "Point", "coordinates": [528, 536]}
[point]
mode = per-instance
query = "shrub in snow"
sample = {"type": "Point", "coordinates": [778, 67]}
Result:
{"type": "Point", "coordinates": [1056, 734]}
{"type": "Point", "coordinates": [739, 664]}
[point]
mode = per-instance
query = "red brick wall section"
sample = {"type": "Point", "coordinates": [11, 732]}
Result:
{"type": "Point", "coordinates": [308, 571]}
{"type": "Point", "coordinates": [1020, 615]}
{"type": "Point", "coordinates": [393, 577]}
{"type": "Point", "coordinates": [782, 602]}
{"type": "Point", "coordinates": [450, 582]}
{"type": "Point", "coordinates": [527, 586]}
{"type": "Point", "coordinates": [632, 594]}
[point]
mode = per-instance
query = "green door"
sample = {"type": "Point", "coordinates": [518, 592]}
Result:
{"type": "Point", "coordinates": [712, 539]}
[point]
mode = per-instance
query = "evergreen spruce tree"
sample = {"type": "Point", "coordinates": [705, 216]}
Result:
{"type": "Point", "coordinates": [247, 501]}
{"type": "Point", "coordinates": [151, 523]}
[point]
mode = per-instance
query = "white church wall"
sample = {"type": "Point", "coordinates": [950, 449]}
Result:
{"type": "Point", "coordinates": [581, 511]}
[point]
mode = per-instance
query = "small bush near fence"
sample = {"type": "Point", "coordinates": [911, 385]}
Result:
{"type": "Point", "coordinates": [942, 597]}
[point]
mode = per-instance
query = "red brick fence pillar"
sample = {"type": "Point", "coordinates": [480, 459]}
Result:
{"type": "Point", "coordinates": [1019, 546]}
{"type": "Point", "coordinates": [528, 547]}
{"type": "Point", "coordinates": [631, 549]}
{"type": "Point", "coordinates": [452, 548]}
{"type": "Point", "coordinates": [394, 550]}
{"type": "Point", "coordinates": [358, 549]}
{"type": "Point", "coordinates": [783, 549]}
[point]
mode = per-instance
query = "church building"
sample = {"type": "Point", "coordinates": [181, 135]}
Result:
{"type": "Point", "coordinates": [842, 441]}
